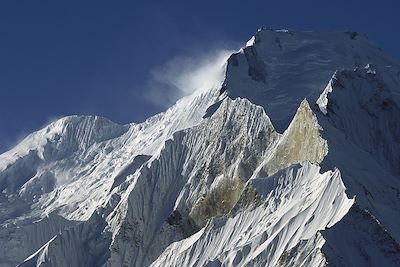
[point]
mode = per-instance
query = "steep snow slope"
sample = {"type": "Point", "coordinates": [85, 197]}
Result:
{"type": "Point", "coordinates": [360, 240]}
{"type": "Point", "coordinates": [361, 123]}
{"type": "Point", "coordinates": [272, 216]}
{"type": "Point", "coordinates": [210, 182]}
{"type": "Point", "coordinates": [361, 97]}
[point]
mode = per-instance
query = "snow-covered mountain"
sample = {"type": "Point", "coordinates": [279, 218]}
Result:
{"type": "Point", "coordinates": [290, 157]}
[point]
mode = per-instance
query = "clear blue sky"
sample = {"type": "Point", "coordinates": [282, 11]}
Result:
{"type": "Point", "coordinates": [96, 57]}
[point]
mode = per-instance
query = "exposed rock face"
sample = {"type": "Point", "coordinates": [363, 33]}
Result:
{"type": "Point", "coordinates": [219, 201]}
{"type": "Point", "coordinates": [300, 142]}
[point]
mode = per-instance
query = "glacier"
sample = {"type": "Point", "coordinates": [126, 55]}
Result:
{"type": "Point", "coordinates": [288, 155]}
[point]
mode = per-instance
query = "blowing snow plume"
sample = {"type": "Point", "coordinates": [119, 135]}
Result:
{"type": "Point", "coordinates": [184, 75]}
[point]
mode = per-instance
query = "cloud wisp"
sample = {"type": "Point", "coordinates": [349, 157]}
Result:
{"type": "Point", "coordinates": [184, 75]}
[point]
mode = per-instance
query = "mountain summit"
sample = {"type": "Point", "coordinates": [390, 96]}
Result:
{"type": "Point", "coordinates": [291, 159]}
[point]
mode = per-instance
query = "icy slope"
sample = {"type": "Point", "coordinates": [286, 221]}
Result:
{"type": "Point", "coordinates": [210, 182]}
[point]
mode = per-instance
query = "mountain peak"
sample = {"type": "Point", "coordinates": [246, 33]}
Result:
{"type": "Point", "coordinates": [278, 68]}
{"type": "Point", "coordinates": [210, 181]}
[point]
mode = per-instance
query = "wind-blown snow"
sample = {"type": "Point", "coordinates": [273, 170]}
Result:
{"type": "Point", "coordinates": [181, 76]}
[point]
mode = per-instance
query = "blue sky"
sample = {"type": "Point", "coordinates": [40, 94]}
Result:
{"type": "Point", "coordinates": [60, 58]}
